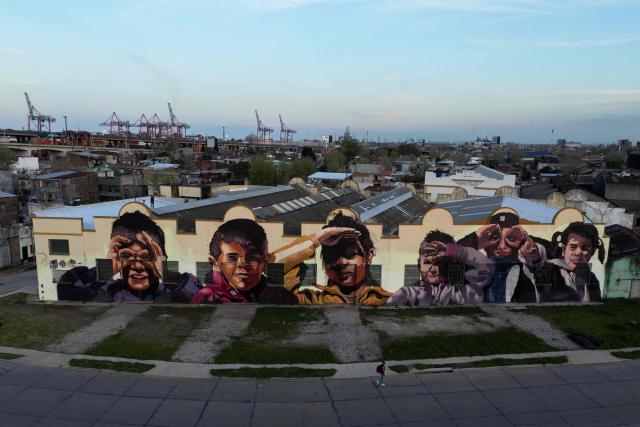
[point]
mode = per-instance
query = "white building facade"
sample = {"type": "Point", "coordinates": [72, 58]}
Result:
{"type": "Point", "coordinates": [479, 182]}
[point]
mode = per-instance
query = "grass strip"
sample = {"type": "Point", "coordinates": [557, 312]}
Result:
{"type": "Point", "coordinates": [615, 322]}
{"type": "Point", "coordinates": [434, 346]}
{"type": "Point", "coordinates": [262, 373]}
{"type": "Point", "coordinates": [627, 354]}
{"type": "Point", "coordinates": [136, 367]}
{"type": "Point", "coordinates": [400, 369]}
{"type": "Point", "coordinates": [153, 335]}
{"type": "Point", "coordinates": [38, 325]}
{"type": "Point", "coordinates": [10, 356]}
{"type": "Point", "coordinates": [246, 352]}
{"type": "Point", "coordinates": [273, 325]}
{"type": "Point", "coordinates": [553, 360]}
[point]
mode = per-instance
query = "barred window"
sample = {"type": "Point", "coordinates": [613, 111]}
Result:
{"type": "Point", "coordinates": [203, 271]}
{"type": "Point", "coordinates": [411, 274]}
{"type": "Point", "coordinates": [542, 273]}
{"type": "Point", "coordinates": [58, 247]}
{"type": "Point", "coordinates": [455, 274]}
{"type": "Point", "coordinates": [375, 270]}
{"type": "Point", "coordinates": [275, 273]}
{"type": "Point", "coordinates": [104, 269]}
{"type": "Point", "coordinates": [308, 275]}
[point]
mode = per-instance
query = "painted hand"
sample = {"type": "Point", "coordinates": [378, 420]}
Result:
{"type": "Point", "coordinates": [333, 235]}
{"type": "Point", "coordinates": [488, 235]}
{"type": "Point", "coordinates": [156, 253]}
{"type": "Point", "coordinates": [115, 245]}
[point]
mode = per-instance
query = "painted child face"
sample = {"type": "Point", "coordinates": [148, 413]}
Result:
{"type": "Point", "coordinates": [429, 272]}
{"type": "Point", "coordinates": [137, 266]}
{"type": "Point", "coordinates": [241, 266]}
{"type": "Point", "coordinates": [510, 240]}
{"type": "Point", "coordinates": [578, 250]}
{"type": "Point", "coordinates": [349, 264]}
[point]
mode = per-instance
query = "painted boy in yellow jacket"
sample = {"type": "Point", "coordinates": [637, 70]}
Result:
{"type": "Point", "coordinates": [347, 251]}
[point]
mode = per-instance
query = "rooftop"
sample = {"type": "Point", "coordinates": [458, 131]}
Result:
{"type": "Point", "coordinates": [392, 208]}
{"type": "Point", "coordinates": [622, 241]}
{"type": "Point", "coordinates": [330, 176]}
{"type": "Point", "coordinates": [489, 173]}
{"type": "Point", "coordinates": [61, 175]}
{"type": "Point", "coordinates": [108, 209]}
{"type": "Point", "coordinates": [479, 209]}
{"type": "Point", "coordinates": [87, 154]}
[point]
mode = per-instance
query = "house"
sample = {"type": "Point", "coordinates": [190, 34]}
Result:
{"type": "Point", "coordinates": [84, 159]}
{"type": "Point", "coordinates": [623, 263]}
{"type": "Point", "coordinates": [67, 187]}
{"type": "Point", "coordinates": [479, 182]}
{"type": "Point", "coordinates": [368, 174]}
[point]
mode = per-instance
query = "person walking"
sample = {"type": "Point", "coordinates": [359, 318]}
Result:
{"type": "Point", "coordinates": [381, 370]}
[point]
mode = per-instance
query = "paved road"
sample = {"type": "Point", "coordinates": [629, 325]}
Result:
{"type": "Point", "coordinates": [25, 281]}
{"type": "Point", "coordinates": [603, 394]}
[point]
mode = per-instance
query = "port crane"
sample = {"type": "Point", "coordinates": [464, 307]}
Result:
{"type": "Point", "coordinates": [285, 131]}
{"type": "Point", "coordinates": [116, 126]}
{"type": "Point", "coordinates": [177, 127]}
{"type": "Point", "coordinates": [36, 118]}
{"type": "Point", "coordinates": [264, 133]}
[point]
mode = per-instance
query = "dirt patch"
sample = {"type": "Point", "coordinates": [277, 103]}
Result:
{"type": "Point", "coordinates": [215, 333]}
{"type": "Point", "coordinates": [452, 325]}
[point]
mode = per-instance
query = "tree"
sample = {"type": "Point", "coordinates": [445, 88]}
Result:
{"type": "Point", "coordinates": [172, 148]}
{"type": "Point", "coordinates": [335, 161]}
{"type": "Point", "coordinates": [303, 167]}
{"type": "Point", "coordinates": [616, 160]}
{"type": "Point", "coordinates": [408, 150]}
{"type": "Point", "coordinates": [308, 152]}
{"type": "Point", "coordinates": [284, 173]}
{"type": "Point", "coordinates": [262, 172]}
{"type": "Point", "coordinates": [350, 147]}
{"type": "Point", "coordinates": [7, 157]}
{"type": "Point", "coordinates": [240, 170]}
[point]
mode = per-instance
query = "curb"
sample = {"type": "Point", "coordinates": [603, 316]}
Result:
{"type": "Point", "coordinates": [346, 370]}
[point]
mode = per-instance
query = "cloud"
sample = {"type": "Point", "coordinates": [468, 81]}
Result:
{"type": "Point", "coordinates": [20, 82]}
{"type": "Point", "coordinates": [588, 43]}
{"type": "Point", "coordinates": [530, 7]}
{"type": "Point", "coordinates": [11, 50]}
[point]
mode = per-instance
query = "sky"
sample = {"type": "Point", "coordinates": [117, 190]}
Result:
{"type": "Point", "coordinates": [531, 71]}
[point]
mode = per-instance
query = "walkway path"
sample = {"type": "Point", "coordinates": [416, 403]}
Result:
{"type": "Point", "coordinates": [347, 338]}
{"type": "Point", "coordinates": [601, 394]}
{"type": "Point", "coordinates": [534, 325]}
{"type": "Point", "coordinates": [226, 322]}
{"type": "Point", "coordinates": [109, 323]}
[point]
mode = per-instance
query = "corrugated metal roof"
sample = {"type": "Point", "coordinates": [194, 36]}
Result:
{"type": "Point", "coordinates": [224, 197]}
{"type": "Point", "coordinates": [4, 195]}
{"type": "Point", "coordinates": [378, 204]}
{"type": "Point", "coordinates": [112, 208]}
{"type": "Point", "coordinates": [61, 175]}
{"type": "Point", "coordinates": [478, 209]}
{"type": "Point", "coordinates": [489, 173]}
{"type": "Point", "coordinates": [330, 176]}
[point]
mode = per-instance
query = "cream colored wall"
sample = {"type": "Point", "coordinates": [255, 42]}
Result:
{"type": "Point", "coordinates": [393, 253]}
{"type": "Point", "coordinates": [189, 191]}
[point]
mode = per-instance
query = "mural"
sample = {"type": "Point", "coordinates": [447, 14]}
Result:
{"type": "Point", "coordinates": [500, 262]}
{"type": "Point", "coordinates": [137, 254]}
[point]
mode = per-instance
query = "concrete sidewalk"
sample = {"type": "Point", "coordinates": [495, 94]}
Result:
{"type": "Point", "coordinates": [343, 370]}
{"type": "Point", "coordinates": [592, 394]}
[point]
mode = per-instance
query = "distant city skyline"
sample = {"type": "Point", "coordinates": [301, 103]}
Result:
{"type": "Point", "coordinates": [429, 69]}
